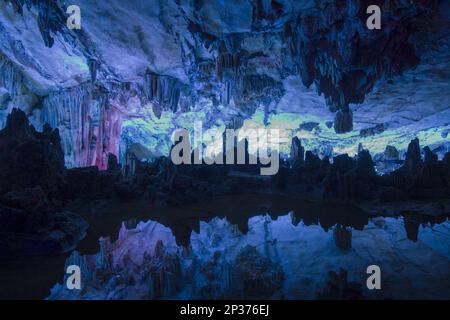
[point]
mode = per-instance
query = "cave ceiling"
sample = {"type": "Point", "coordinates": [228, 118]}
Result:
{"type": "Point", "coordinates": [137, 70]}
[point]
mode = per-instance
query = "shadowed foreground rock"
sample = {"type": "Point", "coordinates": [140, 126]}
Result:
{"type": "Point", "coordinates": [31, 178]}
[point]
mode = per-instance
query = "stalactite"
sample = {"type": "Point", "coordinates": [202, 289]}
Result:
{"type": "Point", "coordinates": [333, 49]}
{"type": "Point", "coordinates": [260, 85]}
{"type": "Point", "coordinates": [267, 15]}
{"type": "Point", "coordinates": [229, 65]}
{"type": "Point", "coordinates": [237, 86]}
{"type": "Point", "coordinates": [14, 92]}
{"type": "Point", "coordinates": [89, 125]}
{"type": "Point", "coordinates": [231, 59]}
{"type": "Point", "coordinates": [10, 78]}
{"type": "Point", "coordinates": [93, 67]}
{"type": "Point", "coordinates": [165, 93]}
{"type": "Point", "coordinates": [50, 17]}
{"type": "Point", "coordinates": [236, 123]}
{"type": "Point", "coordinates": [255, 90]}
{"type": "Point", "coordinates": [343, 121]}
{"type": "Point", "coordinates": [17, 4]}
{"type": "Point", "coordinates": [225, 97]}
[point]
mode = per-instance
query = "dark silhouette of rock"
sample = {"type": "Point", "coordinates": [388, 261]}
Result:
{"type": "Point", "coordinates": [391, 153]}
{"type": "Point", "coordinates": [446, 160]}
{"type": "Point", "coordinates": [297, 151]}
{"type": "Point", "coordinates": [30, 225]}
{"type": "Point", "coordinates": [311, 160]}
{"type": "Point", "coordinates": [412, 222]}
{"type": "Point", "coordinates": [413, 160]}
{"type": "Point", "coordinates": [343, 163]}
{"type": "Point", "coordinates": [365, 165]}
{"type": "Point", "coordinates": [32, 178]}
{"type": "Point", "coordinates": [391, 194]}
{"type": "Point", "coordinates": [113, 164]}
{"type": "Point", "coordinates": [29, 158]}
{"type": "Point", "coordinates": [429, 157]}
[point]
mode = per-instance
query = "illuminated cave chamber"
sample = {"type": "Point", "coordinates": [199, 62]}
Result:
{"type": "Point", "coordinates": [123, 83]}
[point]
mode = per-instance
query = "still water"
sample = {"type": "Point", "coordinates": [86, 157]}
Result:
{"type": "Point", "coordinates": [298, 243]}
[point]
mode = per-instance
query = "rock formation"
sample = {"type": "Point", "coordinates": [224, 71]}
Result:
{"type": "Point", "coordinates": [31, 178]}
{"type": "Point", "coordinates": [201, 60]}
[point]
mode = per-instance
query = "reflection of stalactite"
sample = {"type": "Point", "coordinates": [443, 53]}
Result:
{"type": "Point", "coordinates": [342, 238]}
{"type": "Point", "coordinates": [337, 287]}
{"type": "Point", "coordinates": [412, 221]}
{"type": "Point", "coordinates": [88, 125]}
{"type": "Point", "coordinates": [163, 271]}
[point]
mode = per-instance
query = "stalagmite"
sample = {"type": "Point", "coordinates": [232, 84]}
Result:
{"type": "Point", "coordinates": [391, 153]}
{"type": "Point", "coordinates": [413, 159]}
{"type": "Point", "coordinates": [297, 151]}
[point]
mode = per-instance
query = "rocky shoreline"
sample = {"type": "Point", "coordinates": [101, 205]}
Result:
{"type": "Point", "coordinates": [36, 188]}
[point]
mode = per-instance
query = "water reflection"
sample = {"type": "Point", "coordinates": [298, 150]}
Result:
{"type": "Point", "coordinates": [414, 220]}
{"type": "Point", "coordinates": [182, 221]}
{"type": "Point", "coordinates": [309, 246]}
{"type": "Point", "coordinates": [304, 254]}
{"type": "Point", "coordinates": [342, 238]}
